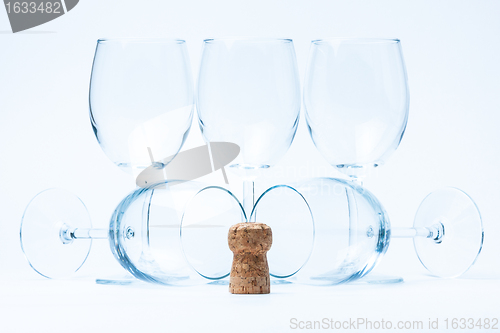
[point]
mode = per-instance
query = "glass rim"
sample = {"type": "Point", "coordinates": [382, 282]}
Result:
{"type": "Point", "coordinates": [356, 40]}
{"type": "Point", "coordinates": [141, 40]}
{"type": "Point", "coordinates": [248, 39]}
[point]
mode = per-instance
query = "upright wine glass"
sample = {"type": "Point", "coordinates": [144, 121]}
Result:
{"type": "Point", "coordinates": [357, 101]}
{"type": "Point", "coordinates": [141, 100]}
{"type": "Point", "coordinates": [248, 94]}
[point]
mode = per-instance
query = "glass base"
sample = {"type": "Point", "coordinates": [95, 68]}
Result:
{"type": "Point", "coordinates": [293, 229]}
{"type": "Point", "coordinates": [119, 282]}
{"type": "Point", "coordinates": [334, 280]}
{"type": "Point", "coordinates": [356, 170]}
{"type": "Point", "coordinates": [204, 228]}
{"type": "Point", "coordinates": [378, 279]}
{"type": "Point", "coordinates": [456, 218]}
{"type": "Point", "coordinates": [219, 283]}
{"type": "Point", "coordinates": [248, 172]}
{"type": "Point", "coordinates": [46, 233]}
{"type": "Point", "coordinates": [124, 281]}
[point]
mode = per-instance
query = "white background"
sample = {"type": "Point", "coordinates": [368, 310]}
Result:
{"type": "Point", "coordinates": [451, 49]}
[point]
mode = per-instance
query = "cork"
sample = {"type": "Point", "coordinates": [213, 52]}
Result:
{"type": "Point", "coordinates": [249, 243]}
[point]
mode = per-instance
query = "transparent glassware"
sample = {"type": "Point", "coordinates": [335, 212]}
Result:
{"type": "Point", "coordinates": [248, 94]}
{"type": "Point", "coordinates": [143, 234]}
{"type": "Point", "coordinates": [292, 224]}
{"type": "Point", "coordinates": [172, 233]}
{"type": "Point", "coordinates": [447, 230]}
{"type": "Point", "coordinates": [141, 99]}
{"type": "Point", "coordinates": [357, 101]}
{"type": "Point", "coordinates": [293, 235]}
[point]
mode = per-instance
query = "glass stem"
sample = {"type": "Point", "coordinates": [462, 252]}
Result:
{"type": "Point", "coordinates": [435, 232]}
{"type": "Point", "coordinates": [79, 233]}
{"type": "Point", "coordinates": [248, 197]}
{"type": "Point", "coordinates": [358, 180]}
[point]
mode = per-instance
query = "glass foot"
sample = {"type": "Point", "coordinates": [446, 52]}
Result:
{"type": "Point", "coordinates": [46, 233]}
{"type": "Point", "coordinates": [204, 228]}
{"type": "Point", "coordinates": [219, 283]}
{"type": "Point", "coordinates": [118, 281]}
{"type": "Point", "coordinates": [293, 229]}
{"type": "Point", "coordinates": [379, 279]}
{"type": "Point", "coordinates": [126, 280]}
{"type": "Point", "coordinates": [280, 281]}
{"type": "Point", "coordinates": [459, 232]}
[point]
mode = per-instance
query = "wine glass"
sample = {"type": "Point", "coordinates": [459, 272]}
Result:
{"type": "Point", "coordinates": [357, 100]}
{"type": "Point", "coordinates": [141, 100]}
{"type": "Point", "coordinates": [248, 94]}
{"type": "Point", "coordinates": [447, 231]}
{"type": "Point", "coordinates": [57, 234]}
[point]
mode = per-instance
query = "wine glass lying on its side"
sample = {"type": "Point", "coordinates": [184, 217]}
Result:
{"type": "Point", "coordinates": [172, 233]}
{"type": "Point", "coordinates": [144, 232]}
{"type": "Point", "coordinates": [356, 101]}
{"type": "Point", "coordinates": [447, 231]}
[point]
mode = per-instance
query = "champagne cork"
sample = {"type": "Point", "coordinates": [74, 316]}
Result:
{"type": "Point", "coordinates": [249, 243]}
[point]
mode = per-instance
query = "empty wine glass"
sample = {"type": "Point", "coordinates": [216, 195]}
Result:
{"type": "Point", "coordinates": [141, 99]}
{"type": "Point", "coordinates": [357, 101]}
{"type": "Point", "coordinates": [248, 94]}
{"type": "Point", "coordinates": [447, 231]}
{"type": "Point", "coordinates": [57, 234]}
